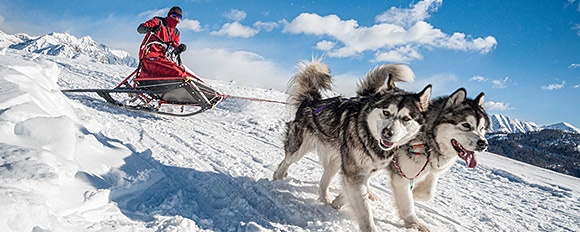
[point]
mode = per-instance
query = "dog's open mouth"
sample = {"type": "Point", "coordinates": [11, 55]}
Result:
{"type": "Point", "coordinates": [386, 145]}
{"type": "Point", "coordinates": [467, 155]}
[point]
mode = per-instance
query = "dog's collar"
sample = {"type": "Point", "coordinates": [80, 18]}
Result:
{"type": "Point", "coordinates": [410, 150]}
{"type": "Point", "coordinates": [413, 148]}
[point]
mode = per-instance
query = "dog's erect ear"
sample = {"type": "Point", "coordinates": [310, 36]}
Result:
{"type": "Point", "coordinates": [390, 82]}
{"type": "Point", "coordinates": [456, 98]}
{"type": "Point", "coordinates": [480, 99]}
{"type": "Point", "coordinates": [424, 96]}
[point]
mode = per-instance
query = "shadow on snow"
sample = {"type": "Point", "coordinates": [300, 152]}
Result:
{"type": "Point", "coordinates": [144, 188]}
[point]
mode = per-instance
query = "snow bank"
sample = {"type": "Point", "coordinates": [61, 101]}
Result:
{"type": "Point", "coordinates": [44, 152]}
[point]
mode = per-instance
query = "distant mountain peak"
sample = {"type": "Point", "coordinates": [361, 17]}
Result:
{"type": "Point", "coordinates": [563, 126]}
{"type": "Point", "coordinates": [504, 124]}
{"type": "Point", "coordinates": [7, 39]}
{"type": "Point", "coordinates": [69, 46]}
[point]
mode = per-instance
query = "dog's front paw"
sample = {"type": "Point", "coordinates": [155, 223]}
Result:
{"type": "Point", "coordinates": [417, 225]}
{"type": "Point", "coordinates": [278, 175]}
{"type": "Point", "coordinates": [338, 202]}
{"type": "Point", "coordinates": [325, 200]}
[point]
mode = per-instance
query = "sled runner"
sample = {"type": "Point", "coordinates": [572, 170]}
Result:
{"type": "Point", "coordinates": [185, 95]}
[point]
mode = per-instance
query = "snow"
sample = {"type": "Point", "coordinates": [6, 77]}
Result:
{"type": "Point", "coordinates": [503, 124]}
{"type": "Point", "coordinates": [563, 126]}
{"type": "Point", "coordinates": [7, 40]}
{"type": "Point", "coordinates": [66, 45]}
{"type": "Point", "coordinates": [74, 163]}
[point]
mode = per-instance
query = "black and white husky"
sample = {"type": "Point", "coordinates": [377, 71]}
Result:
{"type": "Point", "coordinates": [357, 135]}
{"type": "Point", "coordinates": [455, 128]}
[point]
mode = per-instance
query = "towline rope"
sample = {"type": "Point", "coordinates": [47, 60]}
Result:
{"type": "Point", "coordinates": [244, 98]}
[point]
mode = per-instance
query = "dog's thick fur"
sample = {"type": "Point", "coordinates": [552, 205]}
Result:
{"type": "Point", "coordinates": [455, 128]}
{"type": "Point", "coordinates": [356, 135]}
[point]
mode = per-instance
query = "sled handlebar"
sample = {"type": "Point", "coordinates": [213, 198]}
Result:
{"type": "Point", "coordinates": [170, 43]}
{"type": "Point", "coordinates": [161, 40]}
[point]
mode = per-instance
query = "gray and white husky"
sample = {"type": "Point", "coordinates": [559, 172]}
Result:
{"type": "Point", "coordinates": [455, 128]}
{"type": "Point", "coordinates": [357, 135]}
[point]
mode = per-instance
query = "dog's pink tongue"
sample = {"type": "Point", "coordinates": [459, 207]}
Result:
{"type": "Point", "coordinates": [470, 159]}
{"type": "Point", "coordinates": [387, 143]}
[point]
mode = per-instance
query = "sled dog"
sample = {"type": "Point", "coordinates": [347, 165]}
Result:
{"type": "Point", "coordinates": [455, 128]}
{"type": "Point", "coordinates": [357, 135]}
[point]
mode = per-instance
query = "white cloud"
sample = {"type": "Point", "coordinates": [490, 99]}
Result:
{"type": "Point", "coordinates": [571, 2]}
{"type": "Point", "coordinates": [497, 106]}
{"type": "Point", "coordinates": [458, 41]}
{"type": "Point", "coordinates": [317, 25]}
{"type": "Point", "coordinates": [576, 86]}
{"type": "Point", "coordinates": [501, 84]}
{"type": "Point", "coordinates": [498, 83]}
{"type": "Point", "coordinates": [325, 45]}
{"type": "Point", "coordinates": [386, 39]}
{"type": "Point", "coordinates": [236, 29]}
{"type": "Point", "coordinates": [408, 17]}
{"type": "Point", "coordinates": [235, 15]}
{"type": "Point", "coordinates": [267, 26]}
{"type": "Point", "coordinates": [576, 27]}
{"type": "Point", "coordinates": [574, 66]}
{"type": "Point", "coordinates": [404, 54]}
{"type": "Point", "coordinates": [478, 78]}
{"type": "Point", "coordinates": [192, 25]}
{"type": "Point", "coordinates": [554, 86]}
{"type": "Point", "coordinates": [238, 66]}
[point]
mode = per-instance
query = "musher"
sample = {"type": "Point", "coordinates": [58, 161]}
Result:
{"type": "Point", "coordinates": [154, 61]}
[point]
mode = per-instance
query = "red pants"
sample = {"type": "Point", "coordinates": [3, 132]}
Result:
{"type": "Point", "coordinates": [160, 67]}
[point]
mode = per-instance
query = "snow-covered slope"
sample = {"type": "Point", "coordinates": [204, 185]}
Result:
{"type": "Point", "coordinates": [75, 163]}
{"type": "Point", "coordinates": [503, 124]}
{"type": "Point", "coordinates": [563, 126]}
{"type": "Point", "coordinates": [7, 40]}
{"type": "Point", "coordinates": [65, 45]}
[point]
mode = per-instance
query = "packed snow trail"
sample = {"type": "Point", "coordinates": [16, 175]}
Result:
{"type": "Point", "coordinates": [113, 169]}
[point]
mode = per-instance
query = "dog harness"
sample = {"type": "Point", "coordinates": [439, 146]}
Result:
{"type": "Point", "coordinates": [332, 101]}
{"type": "Point", "coordinates": [411, 180]}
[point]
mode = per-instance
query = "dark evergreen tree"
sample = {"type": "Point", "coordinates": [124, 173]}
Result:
{"type": "Point", "coordinates": [551, 149]}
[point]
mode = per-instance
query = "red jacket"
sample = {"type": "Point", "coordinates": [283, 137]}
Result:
{"type": "Point", "coordinates": [167, 33]}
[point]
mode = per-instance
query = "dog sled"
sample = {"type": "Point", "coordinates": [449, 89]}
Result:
{"type": "Point", "coordinates": [185, 95]}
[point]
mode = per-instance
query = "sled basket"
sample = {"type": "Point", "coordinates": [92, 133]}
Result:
{"type": "Point", "coordinates": [179, 91]}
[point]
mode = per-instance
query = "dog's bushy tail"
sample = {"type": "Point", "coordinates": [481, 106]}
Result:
{"type": "Point", "coordinates": [391, 73]}
{"type": "Point", "coordinates": [306, 85]}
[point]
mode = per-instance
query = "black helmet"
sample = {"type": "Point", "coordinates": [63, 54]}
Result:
{"type": "Point", "coordinates": [175, 10]}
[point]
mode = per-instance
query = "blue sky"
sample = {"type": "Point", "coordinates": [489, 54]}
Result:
{"type": "Point", "coordinates": [525, 55]}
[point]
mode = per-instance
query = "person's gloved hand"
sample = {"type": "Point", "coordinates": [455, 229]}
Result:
{"type": "Point", "coordinates": [181, 48]}
{"type": "Point", "coordinates": [155, 29]}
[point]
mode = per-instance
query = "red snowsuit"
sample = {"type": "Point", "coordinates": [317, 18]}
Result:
{"type": "Point", "coordinates": [155, 63]}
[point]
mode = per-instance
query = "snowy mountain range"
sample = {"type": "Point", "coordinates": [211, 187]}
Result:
{"type": "Point", "coordinates": [503, 124]}
{"type": "Point", "coordinates": [66, 45]}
